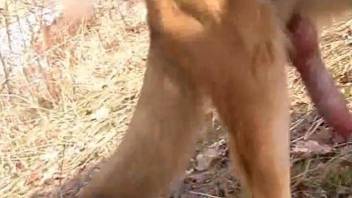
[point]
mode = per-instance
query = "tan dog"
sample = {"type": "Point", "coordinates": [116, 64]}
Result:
{"type": "Point", "coordinates": [232, 51]}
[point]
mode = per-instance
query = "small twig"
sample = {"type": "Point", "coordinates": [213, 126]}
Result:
{"type": "Point", "coordinates": [296, 123]}
{"type": "Point", "coordinates": [313, 128]}
{"type": "Point", "coordinates": [31, 29]}
{"type": "Point", "coordinates": [203, 194]}
{"type": "Point", "coordinates": [7, 24]}
{"type": "Point", "coordinates": [21, 30]}
{"type": "Point", "coordinates": [111, 9]}
{"type": "Point", "coordinates": [6, 73]}
{"type": "Point", "coordinates": [62, 168]}
{"type": "Point", "coordinates": [3, 85]}
{"type": "Point", "coordinates": [343, 144]}
{"type": "Point", "coordinates": [298, 179]}
{"type": "Point", "coordinates": [123, 18]}
{"type": "Point", "coordinates": [41, 13]}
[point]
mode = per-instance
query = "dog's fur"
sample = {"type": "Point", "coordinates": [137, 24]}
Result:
{"type": "Point", "coordinates": [232, 51]}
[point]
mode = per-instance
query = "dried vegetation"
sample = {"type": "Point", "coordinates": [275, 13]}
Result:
{"type": "Point", "coordinates": [64, 107]}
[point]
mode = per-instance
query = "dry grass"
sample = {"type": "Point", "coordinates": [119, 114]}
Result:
{"type": "Point", "coordinates": [42, 146]}
{"type": "Point", "coordinates": [44, 142]}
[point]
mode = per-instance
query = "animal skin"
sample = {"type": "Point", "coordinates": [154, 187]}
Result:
{"type": "Point", "coordinates": [233, 52]}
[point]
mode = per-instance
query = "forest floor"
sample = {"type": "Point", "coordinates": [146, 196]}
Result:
{"type": "Point", "coordinates": [51, 145]}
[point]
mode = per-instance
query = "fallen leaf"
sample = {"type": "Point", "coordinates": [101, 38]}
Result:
{"type": "Point", "coordinates": [312, 147]}
{"type": "Point", "coordinates": [205, 159]}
